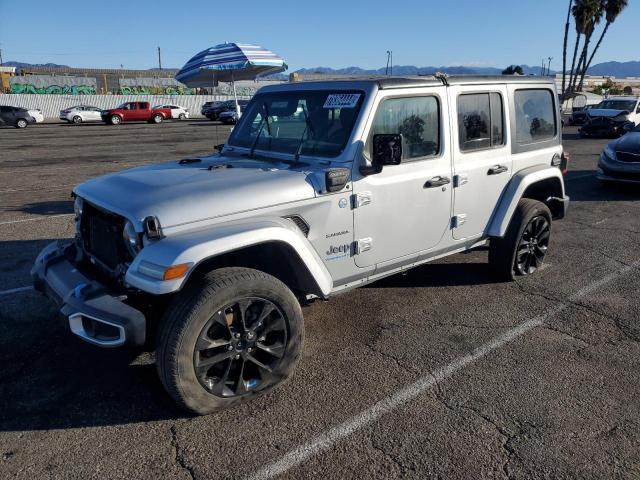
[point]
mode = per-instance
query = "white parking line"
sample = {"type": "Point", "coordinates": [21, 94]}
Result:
{"type": "Point", "coordinates": [327, 440]}
{"type": "Point", "coordinates": [37, 218]}
{"type": "Point", "coordinates": [15, 290]}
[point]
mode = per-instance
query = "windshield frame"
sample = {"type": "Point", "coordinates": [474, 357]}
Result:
{"type": "Point", "coordinates": [305, 157]}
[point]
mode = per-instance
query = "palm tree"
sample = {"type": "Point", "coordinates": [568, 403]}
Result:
{"type": "Point", "coordinates": [587, 14]}
{"type": "Point", "coordinates": [578, 12]}
{"type": "Point", "coordinates": [564, 48]}
{"type": "Point", "coordinates": [613, 9]}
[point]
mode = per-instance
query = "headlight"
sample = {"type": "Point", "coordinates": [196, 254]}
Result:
{"type": "Point", "coordinates": [131, 239]}
{"type": "Point", "coordinates": [77, 207]}
{"type": "Point", "coordinates": [609, 153]}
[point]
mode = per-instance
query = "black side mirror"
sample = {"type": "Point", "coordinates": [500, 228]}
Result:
{"type": "Point", "coordinates": [219, 147]}
{"type": "Point", "coordinates": [627, 127]}
{"type": "Point", "coordinates": [387, 149]}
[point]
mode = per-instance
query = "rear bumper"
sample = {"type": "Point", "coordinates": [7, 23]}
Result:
{"type": "Point", "coordinates": [94, 314]}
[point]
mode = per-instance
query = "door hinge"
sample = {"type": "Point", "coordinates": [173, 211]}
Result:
{"type": "Point", "coordinates": [361, 199]}
{"type": "Point", "coordinates": [364, 245]}
{"type": "Point", "coordinates": [458, 220]}
{"type": "Point", "coordinates": [460, 179]}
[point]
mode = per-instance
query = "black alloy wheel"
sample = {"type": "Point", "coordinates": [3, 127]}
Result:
{"type": "Point", "coordinates": [240, 346]}
{"type": "Point", "coordinates": [533, 245]}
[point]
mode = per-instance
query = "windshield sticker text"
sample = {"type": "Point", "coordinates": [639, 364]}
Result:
{"type": "Point", "coordinates": [342, 100]}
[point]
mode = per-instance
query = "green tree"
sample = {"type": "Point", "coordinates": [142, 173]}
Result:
{"type": "Point", "coordinates": [612, 9]}
{"type": "Point", "coordinates": [513, 70]}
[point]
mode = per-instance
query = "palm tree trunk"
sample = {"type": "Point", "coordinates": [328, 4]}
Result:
{"type": "Point", "coordinates": [593, 54]}
{"type": "Point", "coordinates": [564, 48]}
{"type": "Point", "coordinates": [573, 63]}
{"type": "Point", "coordinates": [582, 61]}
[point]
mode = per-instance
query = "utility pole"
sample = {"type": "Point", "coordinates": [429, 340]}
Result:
{"type": "Point", "coordinates": [1, 62]}
{"type": "Point", "coordinates": [386, 70]}
{"type": "Point", "coordinates": [391, 68]}
{"type": "Point", "coordinates": [549, 67]}
{"type": "Point", "coordinates": [159, 59]}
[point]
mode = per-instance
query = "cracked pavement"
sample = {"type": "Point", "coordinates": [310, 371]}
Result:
{"type": "Point", "coordinates": [560, 401]}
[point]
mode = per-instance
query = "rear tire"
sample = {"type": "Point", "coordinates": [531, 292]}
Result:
{"type": "Point", "coordinates": [207, 349]}
{"type": "Point", "coordinates": [517, 253]}
{"type": "Point", "coordinates": [182, 116]}
{"type": "Point", "coordinates": [77, 119]}
{"type": "Point", "coordinates": [21, 123]}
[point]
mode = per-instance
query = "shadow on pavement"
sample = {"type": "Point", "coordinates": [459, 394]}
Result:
{"type": "Point", "coordinates": [56, 207]}
{"type": "Point", "coordinates": [583, 186]}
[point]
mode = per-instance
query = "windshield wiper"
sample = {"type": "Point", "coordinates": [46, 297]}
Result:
{"type": "Point", "coordinates": [265, 119]}
{"type": "Point", "coordinates": [308, 127]}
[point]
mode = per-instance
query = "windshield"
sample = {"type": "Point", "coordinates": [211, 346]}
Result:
{"type": "Point", "coordinates": [628, 105]}
{"type": "Point", "coordinates": [312, 122]}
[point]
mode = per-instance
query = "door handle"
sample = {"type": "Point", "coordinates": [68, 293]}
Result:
{"type": "Point", "coordinates": [437, 182]}
{"type": "Point", "coordinates": [496, 169]}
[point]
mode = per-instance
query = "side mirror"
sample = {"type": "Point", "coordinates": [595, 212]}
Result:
{"type": "Point", "coordinates": [627, 127]}
{"type": "Point", "coordinates": [387, 150]}
{"type": "Point", "coordinates": [219, 147]}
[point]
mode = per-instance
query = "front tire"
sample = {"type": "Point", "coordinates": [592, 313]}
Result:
{"type": "Point", "coordinates": [182, 116]}
{"type": "Point", "coordinates": [115, 120]}
{"type": "Point", "coordinates": [21, 123]}
{"type": "Point", "coordinates": [523, 248]}
{"type": "Point", "coordinates": [157, 118]}
{"type": "Point", "coordinates": [77, 119]}
{"type": "Point", "coordinates": [230, 336]}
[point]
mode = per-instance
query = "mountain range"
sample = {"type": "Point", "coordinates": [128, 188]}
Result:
{"type": "Point", "coordinates": [613, 69]}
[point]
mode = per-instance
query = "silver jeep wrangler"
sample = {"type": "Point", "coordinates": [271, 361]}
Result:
{"type": "Point", "coordinates": [321, 187]}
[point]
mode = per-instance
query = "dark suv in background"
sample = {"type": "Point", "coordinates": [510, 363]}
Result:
{"type": "Point", "coordinates": [15, 117]}
{"type": "Point", "coordinates": [213, 111]}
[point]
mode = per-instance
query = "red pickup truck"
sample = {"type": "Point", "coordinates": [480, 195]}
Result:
{"type": "Point", "coordinates": [135, 112]}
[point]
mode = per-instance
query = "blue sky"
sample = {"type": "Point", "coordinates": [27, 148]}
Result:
{"type": "Point", "coordinates": [307, 34]}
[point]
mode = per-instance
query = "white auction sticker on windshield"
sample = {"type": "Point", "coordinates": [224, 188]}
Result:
{"type": "Point", "coordinates": [342, 100]}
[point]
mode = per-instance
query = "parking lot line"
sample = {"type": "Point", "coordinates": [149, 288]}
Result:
{"type": "Point", "coordinates": [327, 440]}
{"type": "Point", "coordinates": [15, 290]}
{"type": "Point", "coordinates": [37, 218]}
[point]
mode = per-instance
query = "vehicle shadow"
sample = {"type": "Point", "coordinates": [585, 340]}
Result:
{"type": "Point", "coordinates": [583, 186]}
{"type": "Point", "coordinates": [448, 274]}
{"type": "Point", "coordinates": [56, 207]}
{"type": "Point", "coordinates": [50, 379]}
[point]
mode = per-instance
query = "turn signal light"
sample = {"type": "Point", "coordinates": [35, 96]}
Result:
{"type": "Point", "coordinates": [176, 271]}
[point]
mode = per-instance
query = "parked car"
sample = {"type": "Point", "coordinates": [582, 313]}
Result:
{"type": "Point", "coordinates": [578, 117]}
{"type": "Point", "coordinates": [135, 112]}
{"type": "Point", "coordinates": [16, 116]}
{"type": "Point", "coordinates": [81, 113]}
{"type": "Point", "coordinates": [177, 112]}
{"type": "Point", "coordinates": [230, 117]}
{"type": "Point", "coordinates": [213, 113]}
{"type": "Point", "coordinates": [620, 160]}
{"type": "Point", "coordinates": [209, 105]}
{"type": "Point", "coordinates": [611, 117]}
{"type": "Point", "coordinates": [321, 187]}
{"type": "Point", "coordinates": [37, 115]}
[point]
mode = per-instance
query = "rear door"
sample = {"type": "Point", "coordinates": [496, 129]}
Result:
{"type": "Point", "coordinates": [482, 155]}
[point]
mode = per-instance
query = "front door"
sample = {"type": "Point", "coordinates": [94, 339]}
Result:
{"type": "Point", "coordinates": [406, 208]}
{"type": "Point", "coordinates": [482, 155]}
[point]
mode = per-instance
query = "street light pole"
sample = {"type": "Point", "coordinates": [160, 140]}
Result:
{"type": "Point", "coordinates": [159, 59]}
{"type": "Point", "coordinates": [386, 70]}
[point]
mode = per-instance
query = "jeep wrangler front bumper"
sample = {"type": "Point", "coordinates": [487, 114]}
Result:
{"type": "Point", "coordinates": [93, 312]}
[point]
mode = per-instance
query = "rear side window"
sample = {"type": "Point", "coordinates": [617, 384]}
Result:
{"type": "Point", "coordinates": [480, 121]}
{"type": "Point", "coordinates": [417, 119]}
{"type": "Point", "coordinates": [535, 116]}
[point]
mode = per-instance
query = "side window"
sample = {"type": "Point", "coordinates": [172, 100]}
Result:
{"type": "Point", "coordinates": [535, 116]}
{"type": "Point", "coordinates": [417, 119]}
{"type": "Point", "coordinates": [480, 121]}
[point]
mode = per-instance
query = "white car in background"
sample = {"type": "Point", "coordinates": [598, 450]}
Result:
{"type": "Point", "coordinates": [177, 111]}
{"type": "Point", "coordinates": [81, 113]}
{"type": "Point", "coordinates": [37, 115]}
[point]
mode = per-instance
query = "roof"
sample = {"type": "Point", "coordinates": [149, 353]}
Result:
{"type": "Point", "coordinates": [387, 82]}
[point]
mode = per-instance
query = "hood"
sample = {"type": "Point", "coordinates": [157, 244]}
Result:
{"type": "Point", "coordinates": [629, 142]}
{"type": "Point", "coordinates": [179, 194]}
{"type": "Point", "coordinates": [606, 112]}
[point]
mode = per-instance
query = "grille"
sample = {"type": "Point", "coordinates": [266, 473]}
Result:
{"type": "Point", "coordinates": [628, 157]}
{"type": "Point", "coordinates": [101, 234]}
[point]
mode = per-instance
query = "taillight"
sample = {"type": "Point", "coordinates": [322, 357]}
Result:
{"type": "Point", "coordinates": [564, 162]}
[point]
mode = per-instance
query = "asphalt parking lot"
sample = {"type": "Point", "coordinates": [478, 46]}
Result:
{"type": "Point", "coordinates": [440, 373]}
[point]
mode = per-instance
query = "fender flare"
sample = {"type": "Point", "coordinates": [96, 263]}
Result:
{"type": "Point", "coordinates": [514, 192]}
{"type": "Point", "coordinates": [201, 245]}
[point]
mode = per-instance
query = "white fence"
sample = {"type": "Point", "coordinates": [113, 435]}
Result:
{"type": "Point", "coordinates": [52, 104]}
